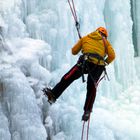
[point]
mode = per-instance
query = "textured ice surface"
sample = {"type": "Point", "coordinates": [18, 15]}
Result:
{"type": "Point", "coordinates": [35, 41]}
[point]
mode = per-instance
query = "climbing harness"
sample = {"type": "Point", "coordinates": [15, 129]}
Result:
{"type": "Point", "coordinates": [88, 57]}
{"type": "Point", "coordinates": [73, 11]}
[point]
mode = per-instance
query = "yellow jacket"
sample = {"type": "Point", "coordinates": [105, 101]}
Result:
{"type": "Point", "coordinates": [93, 43]}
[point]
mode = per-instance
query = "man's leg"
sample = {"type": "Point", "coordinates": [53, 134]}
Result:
{"type": "Point", "coordinates": [93, 77]}
{"type": "Point", "coordinates": [66, 80]}
{"type": "Point", "coordinates": [91, 94]}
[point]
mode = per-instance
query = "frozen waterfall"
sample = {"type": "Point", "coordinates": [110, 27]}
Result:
{"type": "Point", "coordinates": [36, 37]}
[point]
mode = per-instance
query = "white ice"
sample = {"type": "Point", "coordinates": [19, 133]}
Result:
{"type": "Point", "coordinates": [35, 41]}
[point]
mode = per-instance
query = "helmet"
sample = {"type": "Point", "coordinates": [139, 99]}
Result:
{"type": "Point", "coordinates": [103, 31]}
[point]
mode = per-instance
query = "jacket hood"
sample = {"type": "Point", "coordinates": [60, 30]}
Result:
{"type": "Point", "coordinates": [95, 35]}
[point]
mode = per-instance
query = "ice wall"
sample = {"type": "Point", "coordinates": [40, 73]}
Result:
{"type": "Point", "coordinates": [135, 4]}
{"type": "Point", "coordinates": [20, 108]}
{"type": "Point", "coordinates": [119, 22]}
{"type": "Point", "coordinates": [20, 113]}
{"type": "Point", "coordinates": [35, 41]}
{"type": "Point", "coordinates": [20, 59]}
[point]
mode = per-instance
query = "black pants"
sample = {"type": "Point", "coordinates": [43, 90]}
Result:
{"type": "Point", "coordinates": [94, 72]}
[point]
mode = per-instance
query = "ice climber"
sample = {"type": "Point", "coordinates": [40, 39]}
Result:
{"type": "Point", "coordinates": [97, 52]}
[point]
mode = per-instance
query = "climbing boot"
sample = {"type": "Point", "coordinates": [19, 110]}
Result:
{"type": "Point", "coordinates": [86, 116]}
{"type": "Point", "coordinates": [50, 95]}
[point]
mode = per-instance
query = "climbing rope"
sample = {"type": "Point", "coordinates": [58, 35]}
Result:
{"type": "Point", "coordinates": [90, 100]}
{"type": "Point", "coordinates": [73, 11]}
{"type": "Point", "coordinates": [82, 136]}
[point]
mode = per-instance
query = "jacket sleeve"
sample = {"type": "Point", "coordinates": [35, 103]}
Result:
{"type": "Point", "coordinates": [77, 47]}
{"type": "Point", "coordinates": [110, 53]}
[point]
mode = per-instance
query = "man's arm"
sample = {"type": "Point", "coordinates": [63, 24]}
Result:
{"type": "Point", "coordinates": [77, 47]}
{"type": "Point", "coordinates": [110, 53]}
